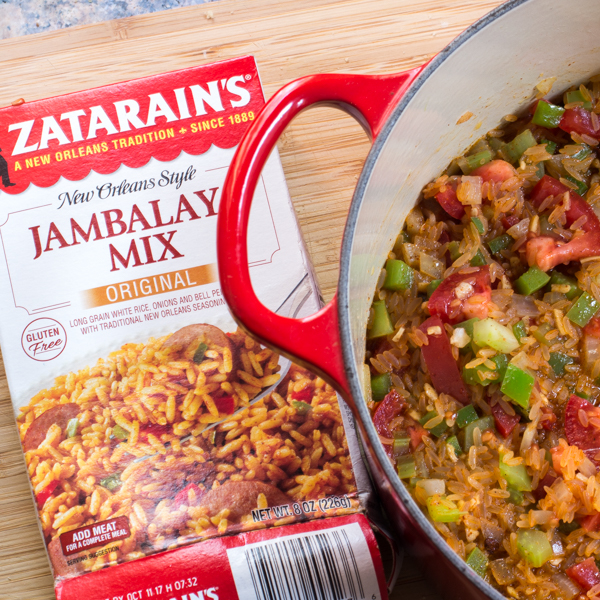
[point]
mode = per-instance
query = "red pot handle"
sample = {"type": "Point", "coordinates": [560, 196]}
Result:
{"type": "Point", "coordinates": [312, 341]}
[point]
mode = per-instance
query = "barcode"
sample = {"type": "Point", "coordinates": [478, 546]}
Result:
{"type": "Point", "coordinates": [333, 564]}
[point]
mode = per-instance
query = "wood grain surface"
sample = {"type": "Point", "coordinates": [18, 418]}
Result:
{"type": "Point", "coordinates": [322, 151]}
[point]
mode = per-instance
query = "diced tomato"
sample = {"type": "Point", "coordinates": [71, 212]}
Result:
{"type": "Point", "coordinates": [496, 170]}
{"type": "Point", "coordinates": [440, 362]}
{"type": "Point", "coordinates": [591, 522]}
{"type": "Point", "coordinates": [505, 423]}
{"type": "Point", "coordinates": [585, 573]}
{"type": "Point", "coordinates": [389, 408]}
{"type": "Point", "coordinates": [548, 419]}
{"type": "Point", "coordinates": [545, 482]}
{"type": "Point", "coordinates": [304, 395]}
{"type": "Point", "coordinates": [585, 438]}
{"type": "Point", "coordinates": [578, 120]}
{"type": "Point", "coordinates": [548, 186]}
{"type": "Point", "coordinates": [416, 433]}
{"type": "Point", "coordinates": [509, 221]}
{"type": "Point", "coordinates": [46, 493]}
{"type": "Point", "coordinates": [225, 404]}
{"type": "Point", "coordinates": [474, 303]}
{"type": "Point", "coordinates": [450, 202]}
{"type": "Point", "coordinates": [593, 328]}
{"type": "Point", "coordinates": [154, 429]}
{"type": "Point", "coordinates": [182, 496]}
{"type": "Point", "coordinates": [545, 251]}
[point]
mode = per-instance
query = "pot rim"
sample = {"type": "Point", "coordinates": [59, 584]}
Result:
{"type": "Point", "coordinates": [344, 296]}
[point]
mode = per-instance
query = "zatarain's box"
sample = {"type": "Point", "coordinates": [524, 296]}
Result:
{"type": "Point", "coordinates": [148, 422]}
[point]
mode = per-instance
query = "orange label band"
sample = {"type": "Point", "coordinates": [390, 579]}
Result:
{"type": "Point", "coordinates": [150, 286]}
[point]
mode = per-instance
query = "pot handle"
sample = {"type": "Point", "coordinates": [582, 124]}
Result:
{"type": "Point", "coordinates": [312, 341]}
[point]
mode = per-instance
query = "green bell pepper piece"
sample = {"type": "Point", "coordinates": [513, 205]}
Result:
{"type": "Point", "coordinates": [567, 528]}
{"type": "Point", "coordinates": [302, 408]}
{"type": "Point", "coordinates": [550, 146]}
{"type": "Point", "coordinates": [518, 385]}
{"type": "Point", "coordinates": [112, 482]}
{"type": "Point", "coordinates": [464, 416]}
{"type": "Point", "coordinates": [482, 424]}
{"type": "Point", "coordinates": [382, 324]}
{"type": "Point", "coordinates": [516, 476]}
{"type": "Point", "coordinates": [558, 361]}
{"type": "Point", "coordinates": [502, 242]}
{"type": "Point", "coordinates": [72, 427]}
{"type": "Point", "coordinates": [558, 278]}
{"type": "Point", "coordinates": [582, 188]}
{"type": "Point", "coordinates": [515, 497]}
{"type": "Point", "coordinates": [478, 225]}
{"type": "Point", "coordinates": [577, 96]}
{"type": "Point", "coordinates": [406, 467]}
{"type": "Point", "coordinates": [438, 429]}
{"type": "Point", "coordinates": [514, 149]}
{"type": "Point", "coordinates": [380, 386]}
{"type": "Point", "coordinates": [540, 334]}
{"type": "Point", "coordinates": [489, 332]}
{"type": "Point", "coordinates": [531, 281]}
{"type": "Point", "coordinates": [200, 352]}
{"type": "Point", "coordinates": [583, 310]}
{"type": "Point", "coordinates": [520, 330]}
{"type": "Point", "coordinates": [478, 561]}
{"type": "Point", "coordinates": [547, 115]}
{"type": "Point", "coordinates": [471, 376]}
{"type": "Point", "coordinates": [401, 446]}
{"type": "Point", "coordinates": [453, 248]}
{"type": "Point", "coordinates": [534, 547]}
{"type": "Point", "coordinates": [442, 510]}
{"type": "Point", "coordinates": [399, 276]}
{"type": "Point", "coordinates": [478, 260]}
{"type": "Point", "coordinates": [120, 432]}
{"type": "Point", "coordinates": [453, 441]}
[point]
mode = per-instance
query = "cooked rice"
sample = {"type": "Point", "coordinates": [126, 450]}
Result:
{"type": "Point", "coordinates": [491, 516]}
{"type": "Point", "coordinates": [293, 440]}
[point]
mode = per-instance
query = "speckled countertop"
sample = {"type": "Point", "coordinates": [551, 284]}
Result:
{"type": "Point", "coordinates": [23, 17]}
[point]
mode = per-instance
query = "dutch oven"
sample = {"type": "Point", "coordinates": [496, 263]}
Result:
{"type": "Point", "coordinates": [419, 120]}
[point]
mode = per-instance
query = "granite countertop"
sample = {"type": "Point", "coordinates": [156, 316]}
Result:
{"type": "Point", "coordinates": [23, 17]}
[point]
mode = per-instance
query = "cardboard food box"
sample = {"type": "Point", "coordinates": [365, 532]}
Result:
{"type": "Point", "coordinates": [149, 422]}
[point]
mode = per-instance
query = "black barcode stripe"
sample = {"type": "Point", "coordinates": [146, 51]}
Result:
{"type": "Point", "coordinates": [320, 566]}
{"type": "Point", "coordinates": [331, 566]}
{"type": "Point", "coordinates": [345, 565]}
{"type": "Point", "coordinates": [356, 571]}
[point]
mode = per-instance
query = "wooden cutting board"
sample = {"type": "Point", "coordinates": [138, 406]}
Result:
{"type": "Point", "coordinates": [322, 151]}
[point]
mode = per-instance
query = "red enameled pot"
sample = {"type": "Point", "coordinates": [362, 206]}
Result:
{"type": "Point", "coordinates": [489, 71]}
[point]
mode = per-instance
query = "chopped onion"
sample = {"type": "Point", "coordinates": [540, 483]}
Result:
{"type": "Point", "coordinates": [414, 220]}
{"type": "Point", "coordinates": [524, 306]}
{"type": "Point", "coordinates": [469, 190]}
{"type": "Point", "coordinates": [502, 571]}
{"type": "Point", "coordinates": [569, 589]}
{"type": "Point", "coordinates": [541, 517]}
{"type": "Point", "coordinates": [430, 487]}
{"type": "Point", "coordinates": [587, 467]}
{"type": "Point", "coordinates": [410, 253]}
{"type": "Point", "coordinates": [544, 87]}
{"type": "Point", "coordinates": [529, 436]}
{"type": "Point", "coordinates": [553, 297]}
{"type": "Point", "coordinates": [431, 266]}
{"type": "Point", "coordinates": [519, 230]}
{"type": "Point", "coordinates": [590, 350]}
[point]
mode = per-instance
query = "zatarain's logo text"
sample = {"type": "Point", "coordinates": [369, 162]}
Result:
{"type": "Point", "coordinates": [85, 124]}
